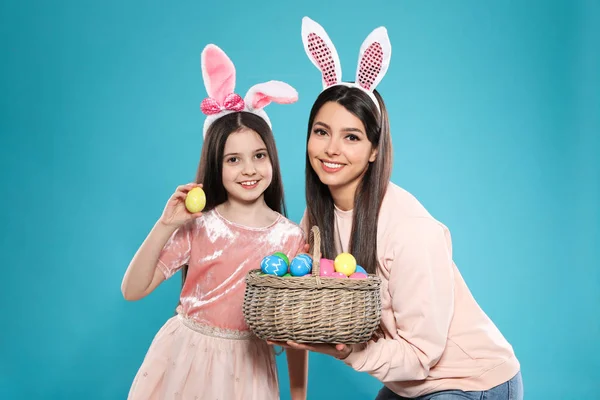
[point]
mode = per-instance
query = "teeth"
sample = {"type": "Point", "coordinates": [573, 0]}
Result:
{"type": "Point", "coordinates": [332, 165]}
{"type": "Point", "coordinates": [249, 183]}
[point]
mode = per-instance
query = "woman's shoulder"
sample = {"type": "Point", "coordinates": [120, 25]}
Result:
{"type": "Point", "coordinates": [401, 210]}
{"type": "Point", "coordinates": [400, 203]}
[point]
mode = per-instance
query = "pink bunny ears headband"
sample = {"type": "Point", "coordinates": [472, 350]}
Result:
{"type": "Point", "coordinates": [373, 59]}
{"type": "Point", "coordinates": [218, 73]}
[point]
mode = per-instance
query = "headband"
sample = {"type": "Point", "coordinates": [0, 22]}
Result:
{"type": "Point", "coordinates": [218, 73]}
{"type": "Point", "coordinates": [373, 58]}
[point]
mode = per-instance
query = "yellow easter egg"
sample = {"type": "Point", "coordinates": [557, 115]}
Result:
{"type": "Point", "coordinates": [195, 200]}
{"type": "Point", "coordinates": [345, 263]}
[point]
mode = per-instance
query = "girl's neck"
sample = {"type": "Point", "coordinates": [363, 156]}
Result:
{"type": "Point", "coordinates": [254, 215]}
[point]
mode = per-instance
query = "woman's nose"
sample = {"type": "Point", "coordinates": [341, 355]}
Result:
{"type": "Point", "coordinates": [333, 148]}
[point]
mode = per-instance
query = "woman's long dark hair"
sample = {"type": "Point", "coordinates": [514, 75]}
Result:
{"type": "Point", "coordinates": [370, 191]}
{"type": "Point", "coordinates": [210, 168]}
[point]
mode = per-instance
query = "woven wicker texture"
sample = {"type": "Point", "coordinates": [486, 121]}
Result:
{"type": "Point", "coordinates": [312, 308]}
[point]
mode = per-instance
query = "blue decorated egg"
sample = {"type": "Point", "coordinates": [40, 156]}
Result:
{"type": "Point", "coordinates": [360, 269]}
{"type": "Point", "coordinates": [301, 265]}
{"type": "Point", "coordinates": [273, 265]}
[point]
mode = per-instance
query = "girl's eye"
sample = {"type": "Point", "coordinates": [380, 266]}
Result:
{"type": "Point", "coordinates": [261, 156]}
{"type": "Point", "coordinates": [319, 132]}
{"type": "Point", "coordinates": [352, 138]}
{"type": "Point", "coordinates": [232, 160]}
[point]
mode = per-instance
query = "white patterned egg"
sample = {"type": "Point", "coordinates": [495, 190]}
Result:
{"type": "Point", "coordinates": [301, 265]}
{"type": "Point", "coordinates": [273, 265]}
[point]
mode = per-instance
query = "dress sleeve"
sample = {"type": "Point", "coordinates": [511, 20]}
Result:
{"type": "Point", "coordinates": [176, 251]}
{"type": "Point", "coordinates": [295, 244]}
{"type": "Point", "coordinates": [304, 224]}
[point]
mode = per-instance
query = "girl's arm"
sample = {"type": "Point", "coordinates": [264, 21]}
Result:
{"type": "Point", "coordinates": [142, 275]}
{"type": "Point", "coordinates": [297, 361]}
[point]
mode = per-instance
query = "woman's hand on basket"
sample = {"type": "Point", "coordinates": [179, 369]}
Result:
{"type": "Point", "coordinates": [339, 351]}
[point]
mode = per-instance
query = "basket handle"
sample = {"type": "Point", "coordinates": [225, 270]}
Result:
{"type": "Point", "coordinates": [315, 249]}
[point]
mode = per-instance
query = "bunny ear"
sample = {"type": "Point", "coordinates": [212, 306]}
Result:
{"type": "Point", "coordinates": [262, 94]}
{"type": "Point", "coordinates": [218, 73]}
{"type": "Point", "coordinates": [321, 52]}
{"type": "Point", "coordinates": [374, 59]}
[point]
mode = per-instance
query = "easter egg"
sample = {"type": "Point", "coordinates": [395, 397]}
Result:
{"type": "Point", "coordinates": [301, 265]}
{"type": "Point", "coordinates": [326, 267]}
{"type": "Point", "coordinates": [273, 265]}
{"type": "Point", "coordinates": [345, 263]}
{"type": "Point", "coordinates": [195, 200]}
{"type": "Point", "coordinates": [283, 256]}
{"type": "Point", "coordinates": [338, 275]}
{"type": "Point", "coordinates": [358, 275]}
{"type": "Point", "coordinates": [360, 269]}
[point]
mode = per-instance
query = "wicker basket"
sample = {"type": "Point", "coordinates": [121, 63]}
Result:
{"type": "Point", "coordinates": [312, 308]}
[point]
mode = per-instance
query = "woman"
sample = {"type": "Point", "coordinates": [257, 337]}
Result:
{"type": "Point", "coordinates": [435, 340]}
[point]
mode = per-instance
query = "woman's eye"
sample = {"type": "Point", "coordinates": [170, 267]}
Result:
{"type": "Point", "coordinates": [319, 132]}
{"type": "Point", "coordinates": [352, 137]}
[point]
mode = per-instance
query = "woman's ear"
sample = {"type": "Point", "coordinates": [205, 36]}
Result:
{"type": "Point", "coordinates": [373, 155]}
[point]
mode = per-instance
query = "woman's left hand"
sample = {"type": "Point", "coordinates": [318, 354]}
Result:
{"type": "Point", "coordinates": [339, 351]}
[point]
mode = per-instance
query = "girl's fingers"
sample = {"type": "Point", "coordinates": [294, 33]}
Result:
{"type": "Point", "coordinates": [187, 187]}
{"type": "Point", "coordinates": [180, 195]}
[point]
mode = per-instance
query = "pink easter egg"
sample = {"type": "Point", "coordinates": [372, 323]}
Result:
{"type": "Point", "coordinates": [338, 275]}
{"type": "Point", "coordinates": [358, 275]}
{"type": "Point", "coordinates": [326, 267]}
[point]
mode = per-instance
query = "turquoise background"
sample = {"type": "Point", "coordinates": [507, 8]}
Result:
{"type": "Point", "coordinates": [495, 115]}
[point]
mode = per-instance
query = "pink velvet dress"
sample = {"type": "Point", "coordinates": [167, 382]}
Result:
{"type": "Point", "coordinates": [206, 351]}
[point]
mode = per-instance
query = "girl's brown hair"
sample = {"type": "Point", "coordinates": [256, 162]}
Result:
{"type": "Point", "coordinates": [210, 168]}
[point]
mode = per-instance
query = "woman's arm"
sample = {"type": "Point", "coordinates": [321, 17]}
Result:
{"type": "Point", "coordinates": [421, 287]}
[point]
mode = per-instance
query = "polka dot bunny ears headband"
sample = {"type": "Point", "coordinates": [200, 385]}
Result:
{"type": "Point", "coordinates": [373, 59]}
{"type": "Point", "coordinates": [218, 73]}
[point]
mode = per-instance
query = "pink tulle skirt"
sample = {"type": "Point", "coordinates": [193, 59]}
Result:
{"type": "Point", "coordinates": [188, 361]}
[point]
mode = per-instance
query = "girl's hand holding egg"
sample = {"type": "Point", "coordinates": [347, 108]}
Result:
{"type": "Point", "coordinates": [176, 212]}
{"type": "Point", "coordinates": [195, 200]}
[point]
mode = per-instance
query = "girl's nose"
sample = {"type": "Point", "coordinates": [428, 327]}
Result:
{"type": "Point", "coordinates": [249, 168]}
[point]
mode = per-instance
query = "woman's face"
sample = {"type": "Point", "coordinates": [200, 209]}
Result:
{"type": "Point", "coordinates": [338, 148]}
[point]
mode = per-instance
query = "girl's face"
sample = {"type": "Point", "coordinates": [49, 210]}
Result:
{"type": "Point", "coordinates": [247, 169]}
{"type": "Point", "coordinates": [338, 148]}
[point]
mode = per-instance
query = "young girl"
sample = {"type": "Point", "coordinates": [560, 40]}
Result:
{"type": "Point", "coordinates": [435, 340]}
{"type": "Point", "coordinates": [206, 351]}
